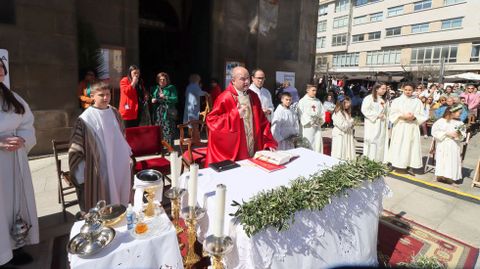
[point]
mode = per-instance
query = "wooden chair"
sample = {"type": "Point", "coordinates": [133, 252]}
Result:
{"type": "Point", "coordinates": [193, 149]}
{"type": "Point", "coordinates": [147, 141]}
{"type": "Point", "coordinates": [65, 185]}
{"type": "Point", "coordinates": [208, 107]}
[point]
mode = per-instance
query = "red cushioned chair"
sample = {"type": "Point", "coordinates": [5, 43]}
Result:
{"type": "Point", "coordinates": [193, 149]}
{"type": "Point", "coordinates": [146, 141]}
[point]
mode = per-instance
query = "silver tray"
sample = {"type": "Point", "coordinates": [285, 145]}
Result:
{"type": "Point", "coordinates": [79, 245]}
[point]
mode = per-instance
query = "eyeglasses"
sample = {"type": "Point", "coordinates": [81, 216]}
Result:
{"type": "Point", "coordinates": [471, 88]}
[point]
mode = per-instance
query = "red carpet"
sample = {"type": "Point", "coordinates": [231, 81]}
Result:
{"type": "Point", "coordinates": [400, 239]}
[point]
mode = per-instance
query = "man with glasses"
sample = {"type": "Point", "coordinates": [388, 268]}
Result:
{"type": "Point", "coordinates": [472, 100]}
{"type": "Point", "coordinates": [258, 79]}
{"type": "Point", "coordinates": [237, 126]}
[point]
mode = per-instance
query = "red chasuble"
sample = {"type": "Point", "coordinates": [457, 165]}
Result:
{"type": "Point", "coordinates": [226, 133]}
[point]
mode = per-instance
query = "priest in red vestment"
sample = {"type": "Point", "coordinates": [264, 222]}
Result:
{"type": "Point", "coordinates": [237, 126]}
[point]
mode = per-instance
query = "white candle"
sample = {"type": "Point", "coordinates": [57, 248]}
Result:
{"type": "Point", "coordinates": [174, 168]}
{"type": "Point", "coordinates": [219, 210]}
{"type": "Point", "coordinates": [192, 185]}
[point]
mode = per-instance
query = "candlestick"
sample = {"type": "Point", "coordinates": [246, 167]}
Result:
{"type": "Point", "coordinates": [218, 221]}
{"type": "Point", "coordinates": [191, 215]}
{"type": "Point", "coordinates": [174, 168]}
{"type": "Point", "coordinates": [192, 185]}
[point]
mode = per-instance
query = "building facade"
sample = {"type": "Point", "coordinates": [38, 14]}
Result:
{"type": "Point", "coordinates": [384, 39]}
{"type": "Point", "coordinates": [45, 41]}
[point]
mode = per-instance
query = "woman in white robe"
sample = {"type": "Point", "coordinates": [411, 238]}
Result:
{"type": "Point", "coordinates": [448, 133]}
{"type": "Point", "coordinates": [310, 113]}
{"type": "Point", "coordinates": [406, 114]}
{"type": "Point", "coordinates": [343, 143]}
{"type": "Point", "coordinates": [17, 198]}
{"type": "Point", "coordinates": [285, 124]}
{"type": "Point", "coordinates": [375, 110]}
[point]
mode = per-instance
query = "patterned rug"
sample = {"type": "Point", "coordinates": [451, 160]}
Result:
{"type": "Point", "coordinates": [400, 239]}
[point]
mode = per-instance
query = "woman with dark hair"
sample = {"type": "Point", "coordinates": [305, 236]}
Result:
{"type": "Point", "coordinates": [164, 101]}
{"type": "Point", "coordinates": [17, 198]}
{"type": "Point", "coordinates": [375, 110]}
{"type": "Point", "coordinates": [406, 115]}
{"type": "Point", "coordinates": [133, 98]}
{"type": "Point", "coordinates": [343, 144]}
{"type": "Point", "coordinates": [449, 133]}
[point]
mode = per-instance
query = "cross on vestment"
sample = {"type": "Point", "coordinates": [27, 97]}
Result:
{"type": "Point", "coordinates": [314, 107]}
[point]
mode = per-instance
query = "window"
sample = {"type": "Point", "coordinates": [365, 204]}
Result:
{"type": "Point", "coordinates": [345, 60]}
{"type": "Point", "coordinates": [322, 10]}
{"type": "Point", "coordinates": [383, 57]}
{"type": "Point", "coordinates": [394, 11]}
{"type": "Point", "coordinates": [435, 54]}
{"type": "Point", "coordinates": [394, 31]}
{"type": "Point", "coordinates": [322, 26]}
{"type": "Point", "coordinates": [374, 35]}
{"type": "Point", "coordinates": [452, 23]}
{"type": "Point", "coordinates": [342, 5]}
{"type": "Point", "coordinates": [358, 38]}
{"type": "Point", "coordinates": [321, 42]}
{"type": "Point", "coordinates": [422, 5]}
{"type": "Point", "coordinates": [361, 2]}
{"type": "Point", "coordinates": [420, 28]}
{"type": "Point", "coordinates": [452, 2]}
{"type": "Point", "coordinates": [340, 22]}
{"type": "Point", "coordinates": [322, 61]}
{"type": "Point", "coordinates": [7, 12]}
{"type": "Point", "coordinates": [359, 20]}
{"type": "Point", "coordinates": [339, 40]}
{"type": "Point", "coordinates": [376, 17]}
{"type": "Point", "coordinates": [475, 56]}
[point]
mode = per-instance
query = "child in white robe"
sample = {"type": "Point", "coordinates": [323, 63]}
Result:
{"type": "Point", "coordinates": [406, 115]}
{"type": "Point", "coordinates": [375, 109]}
{"type": "Point", "coordinates": [99, 155]}
{"type": "Point", "coordinates": [448, 133]}
{"type": "Point", "coordinates": [343, 143]}
{"type": "Point", "coordinates": [285, 123]}
{"type": "Point", "coordinates": [310, 112]}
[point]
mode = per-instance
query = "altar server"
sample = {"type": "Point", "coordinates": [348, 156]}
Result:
{"type": "Point", "coordinates": [310, 112]}
{"type": "Point", "coordinates": [343, 144]}
{"type": "Point", "coordinates": [99, 155]}
{"type": "Point", "coordinates": [285, 123]}
{"type": "Point", "coordinates": [448, 133]}
{"type": "Point", "coordinates": [406, 115]}
{"type": "Point", "coordinates": [375, 110]}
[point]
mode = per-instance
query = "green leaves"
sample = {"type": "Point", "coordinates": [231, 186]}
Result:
{"type": "Point", "coordinates": [277, 207]}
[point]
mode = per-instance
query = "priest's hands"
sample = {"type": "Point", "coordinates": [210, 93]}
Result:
{"type": "Point", "coordinates": [11, 143]}
{"type": "Point", "coordinates": [453, 134]}
{"type": "Point", "coordinates": [408, 116]}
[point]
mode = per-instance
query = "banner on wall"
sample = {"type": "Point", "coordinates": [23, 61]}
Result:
{"type": "Point", "coordinates": [4, 57]}
{"type": "Point", "coordinates": [282, 76]}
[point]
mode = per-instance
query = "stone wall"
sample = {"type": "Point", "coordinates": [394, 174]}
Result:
{"type": "Point", "coordinates": [289, 45]}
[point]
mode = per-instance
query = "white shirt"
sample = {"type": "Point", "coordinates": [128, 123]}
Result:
{"type": "Point", "coordinates": [265, 99]}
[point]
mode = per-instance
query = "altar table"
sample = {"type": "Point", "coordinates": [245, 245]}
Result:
{"type": "Point", "coordinates": [343, 233]}
{"type": "Point", "coordinates": [157, 251]}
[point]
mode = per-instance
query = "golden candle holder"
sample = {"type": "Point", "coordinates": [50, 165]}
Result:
{"type": "Point", "coordinates": [150, 195]}
{"type": "Point", "coordinates": [217, 247]}
{"type": "Point", "coordinates": [174, 194]}
{"type": "Point", "coordinates": [191, 215]}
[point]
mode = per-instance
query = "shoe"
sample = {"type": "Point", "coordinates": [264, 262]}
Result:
{"type": "Point", "coordinates": [410, 171]}
{"type": "Point", "coordinates": [20, 257]}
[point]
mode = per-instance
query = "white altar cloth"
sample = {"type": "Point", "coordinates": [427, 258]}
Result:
{"type": "Point", "coordinates": [343, 233]}
{"type": "Point", "coordinates": [157, 251]}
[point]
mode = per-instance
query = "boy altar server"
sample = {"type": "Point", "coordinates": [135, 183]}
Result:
{"type": "Point", "coordinates": [99, 155]}
{"type": "Point", "coordinates": [285, 123]}
{"type": "Point", "coordinates": [406, 115]}
{"type": "Point", "coordinates": [310, 112]}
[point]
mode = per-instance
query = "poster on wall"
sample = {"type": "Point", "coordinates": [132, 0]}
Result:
{"type": "Point", "coordinates": [4, 57]}
{"type": "Point", "coordinates": [229, 65]}
{"type": "Point", "coordinates": [282, 76]}
{"type": "Point", "coordinates": [111, 69]}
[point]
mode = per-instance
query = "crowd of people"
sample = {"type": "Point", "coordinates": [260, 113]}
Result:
{"type": "Point", "coordinates": [242, 121]}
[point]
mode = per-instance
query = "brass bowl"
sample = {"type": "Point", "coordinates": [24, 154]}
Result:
{"type": "Point", "coordinates": [112, 214]}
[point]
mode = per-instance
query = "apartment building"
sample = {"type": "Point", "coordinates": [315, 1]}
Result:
{"type": "Point", "coordinates": [361, 39]}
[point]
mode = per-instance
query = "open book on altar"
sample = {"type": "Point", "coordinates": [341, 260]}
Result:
{"type": "Point", "coordinates": [272, 160]}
